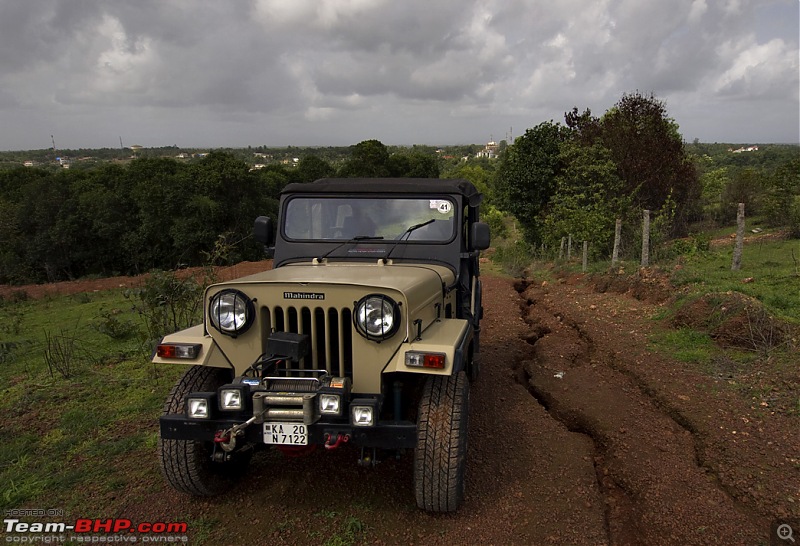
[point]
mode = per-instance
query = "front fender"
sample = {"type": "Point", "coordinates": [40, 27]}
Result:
{"type": "Point", "coordinates": [449, 336]}
{"type": "Point", "coordinates": [210, 354]}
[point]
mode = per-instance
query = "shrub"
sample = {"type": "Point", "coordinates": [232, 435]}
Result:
{"type": "Point", "coordinates": [110, 324]}
{"type": "Point", "coordinates": [167, 303]}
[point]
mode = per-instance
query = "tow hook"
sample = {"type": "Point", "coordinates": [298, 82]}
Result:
{"type": "Point", "coordinates": [340, 439]}
{"type": "Point", "coordinates": [226, 439]}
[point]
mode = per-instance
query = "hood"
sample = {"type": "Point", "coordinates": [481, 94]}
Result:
{"type": "Point", "coordinates": [405, 278]}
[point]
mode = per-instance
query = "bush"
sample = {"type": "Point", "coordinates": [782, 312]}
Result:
{"type": "Point", "coordinates": [167, 303]}
{"type": "Point", "coordinates": [110, 324]}
{"type": "Point", "coordinates": [497, 223]}
{"type": "Point", "coordinates": [688, 246]}
{"type": "Point", "coordinates": [513, 256]}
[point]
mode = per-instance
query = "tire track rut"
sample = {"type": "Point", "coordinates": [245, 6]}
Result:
{"type": "Point", "coordinates": [648, 458]}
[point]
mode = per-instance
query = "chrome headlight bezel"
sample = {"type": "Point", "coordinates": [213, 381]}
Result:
{"type": "Point", "coordinates": [380, 307]}
{"type": "Point", "coordinates": [232, 398]}
{"type": "Point", "coordinates": [364, 412]}
{"type": "Point", "coordinates": [199, 405]}
{"type": "Point", "coordinates": [330, 404]}
{"type": "Point", "coordinates": [231, 312]}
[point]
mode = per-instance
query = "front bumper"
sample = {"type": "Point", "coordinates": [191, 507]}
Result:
{"type": "Point", "coordinates": [384, 434]}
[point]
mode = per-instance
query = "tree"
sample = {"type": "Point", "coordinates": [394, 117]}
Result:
{"type": "Point", "coordinates": [476, 174]}
{"type": "Point", "coordinates": [526, 178]}
{"type": "Point", "coordinates": [782, 201]}
{"type": "Point", "coordinates": [369, 159]}
{"type": "Point", "coordinates": [104, 217]}
{"type": "Point", "coordinates": [745, 187]}
{"type": "Point", "coordinates": [648, 150]}
{"type": "Point", "coordinates": [413, 165]}
{"type": "Point", "coordinates": [224, 200]}
{"type": "Point", "coordinates": [588, 197]}
{"type": "Point", "coordinates": [312, 167]}
{"type": "Point", "coordinates": [585, 128]}
{"type": "Point", "coordinates": [713, 184]}
{"type": "Point", "coordinates": [159, 190]}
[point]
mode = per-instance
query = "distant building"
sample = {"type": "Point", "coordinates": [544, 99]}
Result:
{"type": "Point", "coordinates": [28, 163]}
{"type": "Point", "coordinates": [489, 151]}
{"type": "Point", "coordinates": [743, 149]}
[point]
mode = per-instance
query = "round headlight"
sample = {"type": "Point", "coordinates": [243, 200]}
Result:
{"type": "Point", "coordinates": [377, 317]}
{"type": "Point", "coordinates": [231, 312]}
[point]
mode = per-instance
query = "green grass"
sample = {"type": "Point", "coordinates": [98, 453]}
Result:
{"type": "Point", "coordinates": [685, 345]}
{"type": "Point", "coordinates": [59, 431]}
{"type": "Point", "coordinates": [770, 273]}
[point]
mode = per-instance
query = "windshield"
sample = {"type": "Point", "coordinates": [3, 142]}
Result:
{"type": "Point", "coordinates": [343, 218]}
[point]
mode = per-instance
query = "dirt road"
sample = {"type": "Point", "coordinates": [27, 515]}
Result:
{"type": "Point", "coordinates": [578, 435]}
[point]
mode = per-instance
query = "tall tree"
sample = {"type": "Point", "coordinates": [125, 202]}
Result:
{"type": "Point", "coordinates": [312, 167]}
{"type": "Point", "coordinates": [526, 178]}
{"type": "Point", "coordinates": [746, 186]}
{"type": "Point", "coordinates": [782, 201]}
{"type": "Point", "coordinates": [369, 159]}
{"type": "Point", "coordinates": [588, 197]}
{"type": "Point", "coordinates": [649, 153]}
{"type": "Point", "coordinates": [413, 165]}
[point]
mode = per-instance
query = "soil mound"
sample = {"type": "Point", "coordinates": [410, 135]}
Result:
{"type": "Point", "coordinates": [647, 285]}
{"type": "Point", "coordinates": [734, 319]}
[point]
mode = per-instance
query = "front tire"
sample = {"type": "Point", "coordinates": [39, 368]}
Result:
{"type": "Point", "coordinates": [187, 464]}
{"type": "Point", "coordinates": [441, 453]}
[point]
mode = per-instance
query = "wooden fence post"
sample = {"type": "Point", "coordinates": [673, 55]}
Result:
{"type": "Point", "coordinates": [737, 248]}
{"type": "Point", "coordinates": [646, 239]}
{"type": "Point", "coordinates": [585, 255]}
{"type": "Point", "coordinates": [569, 247]}
{"type": "Point", "coordinates": [561, 250]}
{"type": "Point", "coordinates": [617, 236]}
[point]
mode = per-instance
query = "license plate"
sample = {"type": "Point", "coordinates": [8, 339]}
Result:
{"type": "Point", "coordinates": [287, 434]}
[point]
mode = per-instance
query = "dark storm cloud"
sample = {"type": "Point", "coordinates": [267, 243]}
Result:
{"type": "Point", "coordinates": [266, 70]}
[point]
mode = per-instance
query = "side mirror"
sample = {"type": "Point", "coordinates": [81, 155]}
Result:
{"type": "Point", "coordinates": [479, 236]}
{"type": "Point", "coordinates": [263, 231]}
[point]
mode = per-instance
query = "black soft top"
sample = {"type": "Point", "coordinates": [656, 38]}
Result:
{"type": "Point", "coordinates": [390, 185]}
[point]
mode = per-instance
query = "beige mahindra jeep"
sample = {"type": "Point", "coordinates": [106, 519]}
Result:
{"type": "Point", "coordinates": [362, 337]}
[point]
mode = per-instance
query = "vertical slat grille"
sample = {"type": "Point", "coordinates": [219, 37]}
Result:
{"type": "Point", "coordinates": [330, 332]}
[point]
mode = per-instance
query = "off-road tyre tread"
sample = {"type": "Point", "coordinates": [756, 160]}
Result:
{"type": "Point", "coordinates": [441, 452]}
{"type": "Point", "coordinates": [184, 463]}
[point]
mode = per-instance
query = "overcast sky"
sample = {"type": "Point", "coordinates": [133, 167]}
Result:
{"type": "Point", "coordinates": [220, 73]}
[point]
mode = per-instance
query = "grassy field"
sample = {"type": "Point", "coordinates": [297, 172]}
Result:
{"type": "Point", "coordinates": [78, 391]}
{"type": "Point", "coordinates": [770, 272]}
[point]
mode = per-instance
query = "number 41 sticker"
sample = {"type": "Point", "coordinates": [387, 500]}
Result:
{"type": "Point", "coordinates": [441, 206]}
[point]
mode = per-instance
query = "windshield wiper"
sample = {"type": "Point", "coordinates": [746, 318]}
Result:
{"type": "Point", "coordinates": [406, 234]}
{"type": "Point", "coordinates": [356, 239]}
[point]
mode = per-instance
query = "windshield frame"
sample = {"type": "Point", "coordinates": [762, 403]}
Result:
{"type": "Point", "coordinates": [336, 219]}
